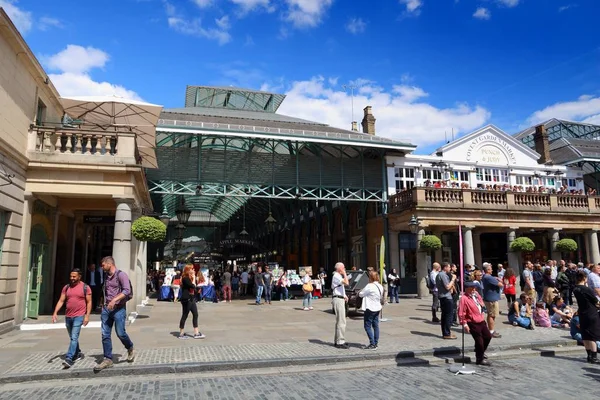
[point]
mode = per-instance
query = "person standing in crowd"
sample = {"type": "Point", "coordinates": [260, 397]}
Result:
{"type": "Point", "coordinates": [176, 285]}
{"type": "Point", "coordinates": [538, 281]}
{"type": "Point", "coordinates": [445, 283]}
{"type": "Point", "coordinates": [338, 293]}
{"type": "Point", "coordinates": [373, 299]}
{"type": "Point", "coordinates": [307, 288]}
{"type": "Point", "coordinates": [589, 318]}
{"type": "Point", "coordinates": [322, 277]}
{"type": "Point", "coordinates": [520, 312]}
{"type": "Point", "coordinates": [500, 272]}
{"type": "Point", "coordinates": [283, 287]}
{"type": "Point", "coordinates": [260, 284]}
{"type": "Point", "coordinates": [244, 283]}
{"type": "Point", "coordinates": [78, 298]}
{"type": "Point", "coordinates": [201, 284]}
{"type": "Point", "coordinates": [562, 283]}
{"type": "Point", "coordinates": [394, 282]}
{"type": "Point", "coordinates": [455, 294]}
{"type": "Point", "coordinates": [477, 277]}
{"type": "Point", "coordinates": [227, 286]}
{"type": "Point", "coordinates": [594, 279]}
{"type": "Point", "coordinates": [188, 302]}
{"type": "Point", "coordinates": [572, 275]}
{"type": "Point", "coordinates": [94, 280]}
{"type": "Point", "coordinates": [470, 315]}
{"type": "Point", "coordinates": [268, 282]}
{"type": "Point", "coordinates": [510, 287]}
{"type": "Point", "coordinates": [117, 291]}
{"type": "Point", "coordinates": [491, 297]}
{"type": "Point", "coordinates": [529, 285]}
{"type": "Point", "coordinates": [235, 285]}
{"type": "Point", "coordinates": [435, 270]}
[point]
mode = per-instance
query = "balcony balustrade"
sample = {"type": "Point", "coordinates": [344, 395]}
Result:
{"type": "Point", "coordinates": [474, 199]}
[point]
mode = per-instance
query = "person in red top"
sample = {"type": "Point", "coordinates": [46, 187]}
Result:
{"type": "Point", "coordinates": [472, 318]}
{"type": "Point", "coordinates": [510, 288]}
{"type": "Point", "coordinates": [78, 297]}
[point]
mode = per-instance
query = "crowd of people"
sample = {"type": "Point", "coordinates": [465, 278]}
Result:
{"type": "Point", "coordinates": [545, 301]}
{"type": "Point", "coordinates": [509, 188]}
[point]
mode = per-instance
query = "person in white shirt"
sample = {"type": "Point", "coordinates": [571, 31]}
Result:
{"type": "Point", "coordinates": [307, 300]}
{"type": "Point", "coordinates": [244, 285]}
{"type": "Point", "coordinates": [394, 281]}
{"type": "Point", "coordinates": [435, 270]}
{"type": "Point", "coordinates": [338, 293]}
{"type": "Point", "coordinates": [372, 296]}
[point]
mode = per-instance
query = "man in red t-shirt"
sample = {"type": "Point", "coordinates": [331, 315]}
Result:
{"type": "Point", "coordinates": [78, 297]}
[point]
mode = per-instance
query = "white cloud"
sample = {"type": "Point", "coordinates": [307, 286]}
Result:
{"type": "Point", "coordinates": [252, 5]}
{"type": "Point", "coordinates": [482, 13]}
{"type": "Point", "coordinates": [73, 65]}
{"type": "Point", "coordinates": [413, 7]}
{"type": "Point", "coordinates": [356, 26]}
{"type": "Point", "coordinates": [585, 109]}
{"type": "Point", "coordinates": [76, 59]}
{"type": "Point", "coordinates": [509, 3]}
{"type": "Point", "coordinates": [565, 8]}
{"type": "Point", "coordinates": [399, 115]}
{"type": "Point", "coordinates": [46, 23]}
{"type": "Point", "coordinates": [203, 3]}
{"type": "Point", "coordinates": [22, 19]}
{"type": "Point", "coordinates": [306, 13]}
{"type": "Point", "coordinates": [194, 27]}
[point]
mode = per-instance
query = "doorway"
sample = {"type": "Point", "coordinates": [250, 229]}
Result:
{"type": "Point", "coordinates": [39, 265]}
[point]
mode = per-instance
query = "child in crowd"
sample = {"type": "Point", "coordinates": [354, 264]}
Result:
{"type": "Point", "coordinates": [540, 315]}
{"type": "Point", "coordinates": [560, 313]}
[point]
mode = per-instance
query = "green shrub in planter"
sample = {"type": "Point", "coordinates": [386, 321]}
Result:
{"type": "Point", "coordinates": [430, 242]}
{"type": "Point", "coordinates": [522, 244]}
{"type": "Point", "coordinates": [566, 245]}
{"type": "Point", "coordinates": [148, 229]}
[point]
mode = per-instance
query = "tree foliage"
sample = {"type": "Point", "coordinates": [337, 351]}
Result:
{"type": "Point", "coordinates": [566, 245]}
{"type": "Point", "coordinates": [148, 229]}
{"type": "Point", "coordinates": [430, 242]}
{"type": "Point", "coordinates": [522, 244]}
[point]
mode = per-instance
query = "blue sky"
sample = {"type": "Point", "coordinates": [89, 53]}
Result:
{"type": "Point", "coordinates": [426, 66]}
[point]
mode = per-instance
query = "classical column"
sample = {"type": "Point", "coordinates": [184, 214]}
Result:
{"type": "Point", "coordinates": [23, 287]}
{"type": "Point", "coordinates": [477, 248]}
{"type": "Point", "coordinates": [594, 250]}
{"type": "Point", "coordinates": [468, 252]}
{"type": "Point", "coordinates": [554, 236]}
{"type": "Point", "coordinates": [513, 257]}
{"type": "Point", "coordinates": [422, 267]}
{"type": "Point", "coordinates": [437, 255]}
{"type": "Point", "coordinates": [122, 235]}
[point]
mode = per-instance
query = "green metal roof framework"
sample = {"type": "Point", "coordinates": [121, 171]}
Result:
{"type": "Point", "coordinates": [563, 129]}
{"type": "Point", "coordinates": [220, 174]}
{"type": "Point", "coordinates": [234, 98]}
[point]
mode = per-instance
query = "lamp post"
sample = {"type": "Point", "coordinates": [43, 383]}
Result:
{"type": "Point", "coordinates": [270, 221]}
{"type": "Point", "coordinates": [164, 217]}
{"type": "Point", "coordinates": [183, 216]}
{"type": "Point", "coordinates": [413, 225]}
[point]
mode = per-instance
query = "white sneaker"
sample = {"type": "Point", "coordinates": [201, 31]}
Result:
{"type": "Point", "coordinates": [310, 308]}
{"type": "Point", "coordinates": [305, 308]}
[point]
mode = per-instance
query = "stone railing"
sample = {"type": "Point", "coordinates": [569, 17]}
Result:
{"type": "Point", "coordinates": [532, 199]}
{"type": "Point", "coordinates": [78, 145]}
{"type": "Point", "coordinates": [423, 198]}
{"type": "Point", "coordinates": [483, 197]}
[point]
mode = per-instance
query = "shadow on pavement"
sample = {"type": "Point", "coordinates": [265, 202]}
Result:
{"type": "Point", "coordinates": [426, 334]}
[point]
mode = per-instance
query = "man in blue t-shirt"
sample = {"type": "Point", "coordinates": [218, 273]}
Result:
{"type": "Point", "coordinates": [491, 296]}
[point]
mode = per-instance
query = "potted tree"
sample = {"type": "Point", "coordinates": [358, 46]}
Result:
{"type": "Point", "coordinates": [566, 245]}
{"type": "Point", "coordinates": [148, 229]}
{"type": "Point", "coordinates": [522, 244]}
{"type": "Point", "coordinates": [430, 243]}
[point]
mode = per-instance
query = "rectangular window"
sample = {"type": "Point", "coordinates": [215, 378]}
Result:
{"type": "Point", "coordinates": [399, 172]}
{"type": "Point", "coordinates": [569, 182]}
{"type": "Point", "coordinates": [40, 116]}
{"type": "Point", "coordinates": [463, 176]}
{"type": "Point", "coordinates": [409, 173]}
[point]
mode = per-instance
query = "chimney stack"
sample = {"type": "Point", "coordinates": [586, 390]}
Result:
{"type": "Point", "coordinates": [368, 122]}
{"type": "Point", "coordinates": [354, 126]}
{"type": "Point", "coordinates": [542, 146]}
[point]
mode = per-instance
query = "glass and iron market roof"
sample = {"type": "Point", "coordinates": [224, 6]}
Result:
{"type": "Point", "coordinates": [232, 98]}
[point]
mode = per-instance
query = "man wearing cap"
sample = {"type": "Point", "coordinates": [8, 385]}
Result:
{"type": "Point", "coordinates": [471, 317]}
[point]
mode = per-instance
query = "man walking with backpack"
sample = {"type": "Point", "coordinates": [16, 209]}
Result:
{"type": "Point", "coordinates": [117, 291]}
{"type": "Point", "coordinates": [78, 298]}
{"type": "Point", "coordinates": [431, 285]}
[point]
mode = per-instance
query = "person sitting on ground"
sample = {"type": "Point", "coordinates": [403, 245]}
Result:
{"type": "Point", "coordinates": [550, 292]}
{"type": "Point", "coordinates": [560, 313]}
{"type": "Point", "coordinates": [519, 313]}
{"type": "Point", "coordinates": [540, 315]}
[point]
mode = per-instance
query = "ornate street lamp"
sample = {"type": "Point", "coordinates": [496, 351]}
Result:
{"type": "Point", "coordinates": [270, 222]}
{"type": "Point", "coordinates": [183, 213]}
{"type": "Point", "coordinates": [164, 217]}
{"type": "Point", "coordinates": [413, 224]}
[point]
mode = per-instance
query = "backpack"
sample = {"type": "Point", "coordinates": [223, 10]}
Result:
{"type": "Point", "coordinates": [127, 298]}
{"type": "Point", "coordinates": [64, 290]}
{"type": "Point", "coordinates": [429, 282]}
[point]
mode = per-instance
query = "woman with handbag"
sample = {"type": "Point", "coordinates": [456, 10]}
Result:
{"type": "Point", "coordinates": [307, 288]}
{"type": "Point", "coordinates": [188, 302]}
{"type": "Point", "coordinates": [372, 303]}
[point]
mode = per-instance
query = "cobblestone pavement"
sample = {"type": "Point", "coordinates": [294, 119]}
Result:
{"type": "Point", "coordinates": [532, 378]}
{"type": "Point", "coordinates": [242, 332]}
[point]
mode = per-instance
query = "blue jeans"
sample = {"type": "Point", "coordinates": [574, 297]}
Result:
{"type": "Point", "coordinates": [523, 322]}
{"type": "Point", "coordinates": [74, 325]}
{"type": "Point", "coordinates": [116, 317]}
{"type": "Point", "coordinates": [259, 292]}
{"type": "Point", "coordinates": [268, 291]}
{"type": "Point", "coordinates": [307, 300]}
{"type": "Point", "coordinates": [283, 295]}
{"type": "Point", "coordinates": [447, 306]}
{"type": "Point", "coordinates": [372, 326]}
{"type": "Point", "coordinates": [394, 294]}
